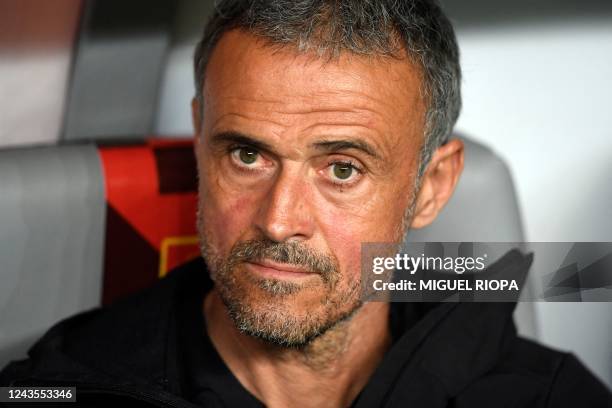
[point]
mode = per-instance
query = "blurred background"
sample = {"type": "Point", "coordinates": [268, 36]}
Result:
{"type": "Point", "coordinates": [537, 89]}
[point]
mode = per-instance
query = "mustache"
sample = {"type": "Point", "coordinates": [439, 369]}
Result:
{"type": "Point", "coordinates": [291, 252]}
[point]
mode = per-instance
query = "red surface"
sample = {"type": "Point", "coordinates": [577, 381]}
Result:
{"type": "Point", "coordinates": [132, 189]}
{"type": "Point", "coordinates": [148, 231]}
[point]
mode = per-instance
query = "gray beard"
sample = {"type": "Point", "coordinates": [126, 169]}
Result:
{"type": "Point", "coordinates": [265, 318]}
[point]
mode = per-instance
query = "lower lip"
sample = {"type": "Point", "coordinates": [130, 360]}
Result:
{"type": "Point", "coordinates": [268, 272]}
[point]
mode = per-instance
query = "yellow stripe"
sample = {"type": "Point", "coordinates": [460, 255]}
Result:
{"type": "Point", "coordinates": [165, 248]}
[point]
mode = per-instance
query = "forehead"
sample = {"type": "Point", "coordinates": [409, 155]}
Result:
{"type": "Point", "coordinates": [247, 73]}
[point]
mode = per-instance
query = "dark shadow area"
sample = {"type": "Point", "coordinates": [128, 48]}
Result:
{"type": "Point", "coordinates": [191, 16]}
{"type": "Point", "coordinates": [107, 18]}
{"type": "Point", "coordinates": [483, 13]}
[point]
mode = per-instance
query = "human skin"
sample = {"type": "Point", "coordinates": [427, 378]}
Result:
{"type": "Point", "coordinates": [295, 104]}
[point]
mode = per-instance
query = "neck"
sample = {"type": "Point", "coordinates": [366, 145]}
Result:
{"type": "Point", "coordinates": [328, 372]}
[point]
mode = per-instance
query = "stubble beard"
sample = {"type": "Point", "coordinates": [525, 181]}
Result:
{"type": "Point", "coordinates": [265, 308]}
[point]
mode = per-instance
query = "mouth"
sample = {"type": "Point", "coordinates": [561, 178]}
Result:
{"type": "Point", "coordinates": [271, 269]}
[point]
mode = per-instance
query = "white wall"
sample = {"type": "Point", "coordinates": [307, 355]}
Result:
{"type": "Point", "coordinates": [541, 97]}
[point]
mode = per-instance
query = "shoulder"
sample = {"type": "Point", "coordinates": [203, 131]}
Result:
{"type": "Point", "coordinates": [135, 316]}
{"type": "Point", "coordinates": [531, 374]}
{"type": "Point", "coordinates": [118, 337]}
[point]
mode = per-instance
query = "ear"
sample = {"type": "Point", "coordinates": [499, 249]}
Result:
{"type": "Point", "coordinates": [439, 182]}
{"type": "Point", "coordinates": [196, 118]}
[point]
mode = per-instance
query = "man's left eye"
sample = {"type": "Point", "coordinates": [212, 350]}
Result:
{"type": "Point", "coordinates": [245, 156]}
{"type": "Point", "coordinates": [343, 172]}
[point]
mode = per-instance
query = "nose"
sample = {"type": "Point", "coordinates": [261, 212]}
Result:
{"type": "Point", "coordinates": [285, 212]}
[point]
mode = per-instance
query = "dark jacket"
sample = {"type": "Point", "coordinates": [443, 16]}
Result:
{"type": "Point", "coordinates": [455, 355]}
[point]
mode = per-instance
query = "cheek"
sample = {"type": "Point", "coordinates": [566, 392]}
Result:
{"type": "Point", "coordinates": [344, 237]}
{"type": "Point", "coordinates": [345, 233]}
{"type": "Point", "coordinates": [226, 214]}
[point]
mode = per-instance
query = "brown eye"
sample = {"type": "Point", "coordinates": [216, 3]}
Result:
{"type": "Point", "coordinates": [343, 171]}
{"type": "Point", "coordinates": [247, 156]}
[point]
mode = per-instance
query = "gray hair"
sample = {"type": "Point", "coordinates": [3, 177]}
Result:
{"type": "Point", "coordinates": [363, 27]}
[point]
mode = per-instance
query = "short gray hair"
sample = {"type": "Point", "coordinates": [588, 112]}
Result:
{"type": "Point", "coordinates": [363, 27]}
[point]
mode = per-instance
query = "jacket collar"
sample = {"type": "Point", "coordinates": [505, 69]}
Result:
{"type": "Point", "coordinates": [132, 342]}
{"type": "Point", "coordinates": [445, 350]}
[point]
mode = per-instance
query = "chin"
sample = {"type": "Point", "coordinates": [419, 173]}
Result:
{"type": "Point", "coordinates": [283, 313]}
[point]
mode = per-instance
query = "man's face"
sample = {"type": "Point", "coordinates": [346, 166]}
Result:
{"type": "Point", "coordinates": [301, 159]}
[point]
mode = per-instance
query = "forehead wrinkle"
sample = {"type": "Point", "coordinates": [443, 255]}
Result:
{"type": "Point", "coordinates": [365, 120]}
{"type": "Point", "coordinates": [328, 102]}
{"type": "Point", "coordinates": [227, 117]}
{"type": "Point", "coordinates": [275, 112]}
{"type": "Point", "coordinates": [322, 90]}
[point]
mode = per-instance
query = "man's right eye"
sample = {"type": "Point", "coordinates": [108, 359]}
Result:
{"type": "Point", "coordinates": [245, 156]}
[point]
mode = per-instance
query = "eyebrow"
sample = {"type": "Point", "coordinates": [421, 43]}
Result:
{"type": "Point", "coordinates": [237, 137]}
{"type": "Point", "coordinates": [338, 145]}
